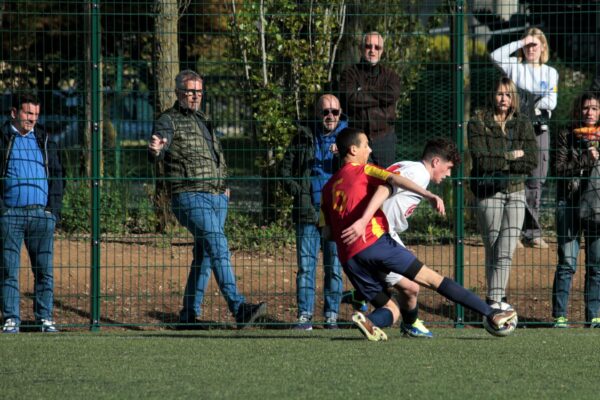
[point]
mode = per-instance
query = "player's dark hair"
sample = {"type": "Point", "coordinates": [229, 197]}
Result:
{"type": "Point", "coordinates": [443, 148]}
{"type": "Point", "coordinates": [346, 138]}
{"type": "Point", "coordinates": [23, 98]}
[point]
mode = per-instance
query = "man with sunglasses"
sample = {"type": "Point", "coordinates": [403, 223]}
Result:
{"type": "Point", "coordinates": [195, 173]}
{"type": "Point", "coordinates": [307, 165]}
{"type": "Point", "coordinates": [370, 92]}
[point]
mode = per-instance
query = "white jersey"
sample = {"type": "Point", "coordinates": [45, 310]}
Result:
{"type": "Point", "coordinates": [400, 206]}
{"type": "Point", "coordinates": [540, 80]}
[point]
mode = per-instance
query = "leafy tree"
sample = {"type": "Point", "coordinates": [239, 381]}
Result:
{"type": "Point", "coordinates": [407, 48]}
{"type": "Point", "coordinates": [286, 50]}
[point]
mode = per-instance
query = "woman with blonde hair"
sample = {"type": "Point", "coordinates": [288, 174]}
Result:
{"type": "Point", "coordinates": [504, 151]}
{"type": "Point", "coordinates": [537, 83]}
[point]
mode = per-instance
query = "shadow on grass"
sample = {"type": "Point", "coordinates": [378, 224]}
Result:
{"type": "Point", "coordinates": [448, 310]}
{"type": "Point", "coordinates": [58, 304]}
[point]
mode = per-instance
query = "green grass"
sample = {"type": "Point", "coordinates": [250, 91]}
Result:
{"type": "Point", "coordinates": [266, 364]}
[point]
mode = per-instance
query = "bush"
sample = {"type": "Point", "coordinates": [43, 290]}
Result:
{"type": "Point", "coordinates": [244, 233]}
{"type": "Point", "coordinates": [123, 209]}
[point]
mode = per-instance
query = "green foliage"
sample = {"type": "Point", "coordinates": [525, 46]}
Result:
{"type": "Point", "coordinates": [570, 85]}
{"type": "Point", "coordinates": [122, 210]}
{"type": "Point", "coordinates": [427, 226]}
{"type": "Point", "coordinates": [75, 216]}
{"type": "Point", "coordinates": [286, 51]}
{"type": "Point", "coordinates": [440, 51]}
{"type": "Point", "coordinates": [245, 233]}
{"type": "Point", "coordinates": [406, 45]}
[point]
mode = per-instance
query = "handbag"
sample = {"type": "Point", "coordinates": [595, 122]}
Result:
{"type": "Point", "coordinates": [589, 203]}
{"type": "Point", "coordinates": [489, 184]}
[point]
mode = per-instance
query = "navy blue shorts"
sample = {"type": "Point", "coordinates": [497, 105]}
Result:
{"type": "Point", "coordinates": [367, 269]}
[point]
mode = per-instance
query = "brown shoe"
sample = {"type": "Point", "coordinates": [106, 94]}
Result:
{"type": "Point", "coordinates": [501, 318]}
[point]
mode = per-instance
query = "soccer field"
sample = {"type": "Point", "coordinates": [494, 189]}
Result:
{"type": "Point", "coordinates": [277, 364]}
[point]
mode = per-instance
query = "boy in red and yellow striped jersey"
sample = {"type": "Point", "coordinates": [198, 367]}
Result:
{"type": "Point", "coordinates": [350, 210]}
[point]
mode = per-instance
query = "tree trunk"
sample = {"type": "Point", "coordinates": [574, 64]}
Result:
{"type": "Point", "coordinates": [166, 55]}
{"type": "Point", "coordinates": [166, 67]}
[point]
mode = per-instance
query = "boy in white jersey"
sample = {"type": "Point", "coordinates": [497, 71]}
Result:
{"type": "Point", "coordinates": [439, 157]}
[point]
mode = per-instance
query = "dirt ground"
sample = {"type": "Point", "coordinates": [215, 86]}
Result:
{"type": "Point", "coordinates": [143, 278]}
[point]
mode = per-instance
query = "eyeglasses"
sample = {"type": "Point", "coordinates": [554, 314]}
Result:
{"type": "Point", "coordinates": [373, 46]}
{"type": "Point", "coordinates": [333, 111]}
{"type": "Point", "coordinates": [191, 92]}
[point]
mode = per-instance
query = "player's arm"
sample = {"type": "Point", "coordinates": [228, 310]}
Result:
{"type": "Point", "coordinates": [358, 228]}
{"type": "Point", "coordinates": [400, 181]}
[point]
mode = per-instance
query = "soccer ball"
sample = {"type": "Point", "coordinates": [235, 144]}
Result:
{"type": "Point", "coordinates": [506, 329]}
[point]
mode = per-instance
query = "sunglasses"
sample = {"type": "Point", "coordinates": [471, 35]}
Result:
{"type": "Point", "coordinates": [373, 46]}
{"type": "Point", "coordinates": [191, 92]}
{"type": "Point", "coordinates": [333, 111]}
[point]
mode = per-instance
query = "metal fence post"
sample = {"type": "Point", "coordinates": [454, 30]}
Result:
{"type": "Point", "coordinates": [458, 63]}
{"type": "Point", "coordinates": [95, 153]}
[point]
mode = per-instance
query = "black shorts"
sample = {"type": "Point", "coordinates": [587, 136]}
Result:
{"type": "Point", "coordinates": [367, 270]}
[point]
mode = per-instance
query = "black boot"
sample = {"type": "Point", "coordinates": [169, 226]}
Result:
{"type": "Point", "coordinates": [248, 313]}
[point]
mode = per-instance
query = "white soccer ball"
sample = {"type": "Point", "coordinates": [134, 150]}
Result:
{"type": "Point", "coordinates": [506, 329]}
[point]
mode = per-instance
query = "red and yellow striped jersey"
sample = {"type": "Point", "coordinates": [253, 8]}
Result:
{"type": "Point", "coordinates": [344, 200]}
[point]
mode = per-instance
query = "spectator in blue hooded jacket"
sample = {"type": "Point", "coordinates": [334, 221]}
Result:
{"type": "Point", "coordinates": [307, 165]}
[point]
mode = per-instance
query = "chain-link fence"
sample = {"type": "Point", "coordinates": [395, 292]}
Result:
{"type": "Point", "coordinates": [105, 70]}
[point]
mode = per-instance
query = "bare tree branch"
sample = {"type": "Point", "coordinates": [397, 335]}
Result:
{"type": "Point", "coordinates": [263, 46]}
{"type": "Point", "coordinates": [310, 13]}
{"type": "Point", "coordinates": [183, 6]}
{"type": "Point", "coordinates": [342, 21]}
{"type": "Point", "coordinates": [242, 48]}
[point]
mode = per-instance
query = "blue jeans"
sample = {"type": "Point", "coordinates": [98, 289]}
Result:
{"type": "Point", "coordinates": [204, 214]}
{"type": "Point", "coordinates": [35, 227]}
{"type": "Point", "coordinates": [308, 243]}
{"type": "Point", "coordinates": [569, 228]}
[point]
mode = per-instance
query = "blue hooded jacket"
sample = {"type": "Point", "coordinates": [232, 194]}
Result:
{"type": "Point", "coordinates": [322, 167]}
{"type": "Point", "coordinates": [307, 165]}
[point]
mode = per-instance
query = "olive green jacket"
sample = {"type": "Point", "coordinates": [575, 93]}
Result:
{"type": "Point", "coordinates": [193, 156]}
{"type": "Point", "coordinates": [488, 146]}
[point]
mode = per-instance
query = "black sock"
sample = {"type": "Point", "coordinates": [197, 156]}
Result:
{"type": "Point", "coordinates": [410, 316]}
{"type": "Point", "coordinates": [458, 294]}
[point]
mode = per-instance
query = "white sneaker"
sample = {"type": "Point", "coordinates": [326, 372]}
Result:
{"type": "Point", "coordinates": [366, 327]}
{"type": "Point", "coordinates": [10, 326]}
{"type": "Point", "coordinates": [48, 326]}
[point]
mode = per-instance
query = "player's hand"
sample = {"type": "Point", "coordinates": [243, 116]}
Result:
{"type": "Point", "coordinates": [157, 144]}
{"type": "Point", "coordinates": [438, 204]}
{"type": "Point", "coordinates": [514, 154]}
{"type": "Point", "coordinates": [527, 40]}
{"type": "Point", "coordinates": [355, 231]}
